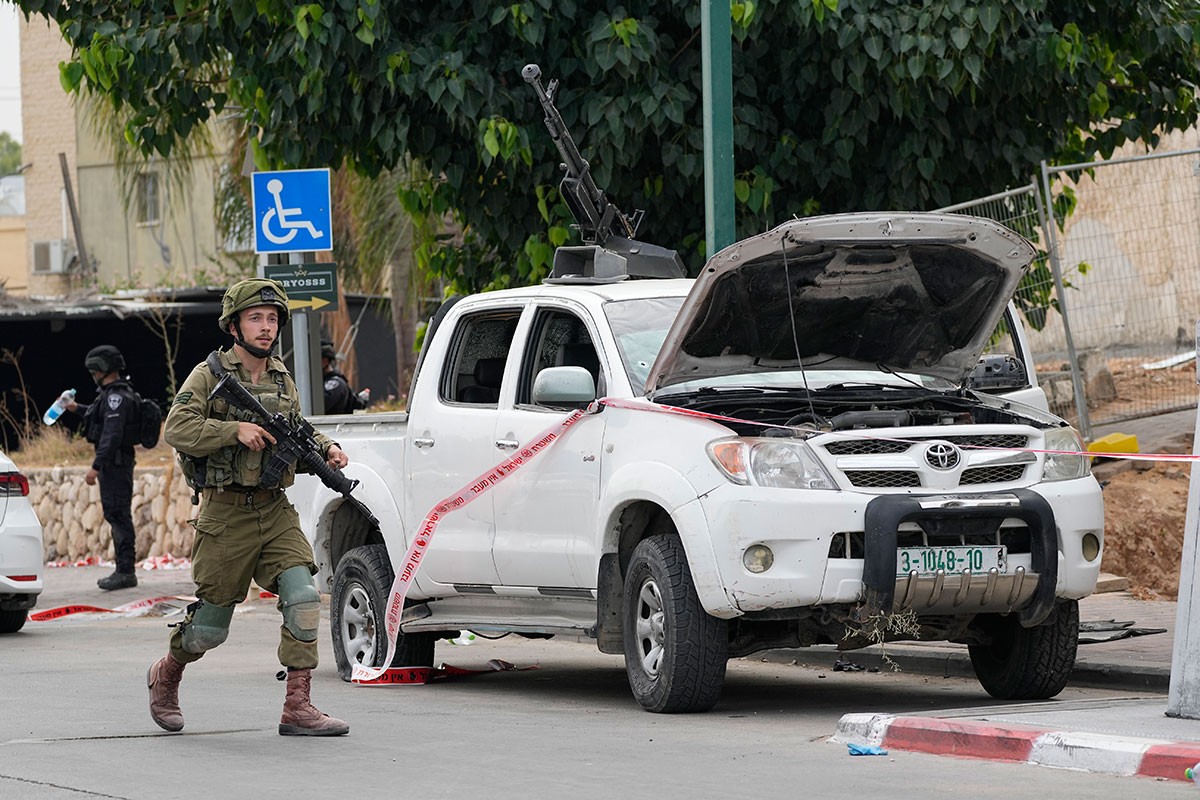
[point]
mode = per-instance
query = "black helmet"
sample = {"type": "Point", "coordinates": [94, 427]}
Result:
{"type": "Point", "coordinates": [104, 358]}
{"type": "Point", "coordinates": [250, 293]}
{"type": "Point", "coordinates": [327, 350]}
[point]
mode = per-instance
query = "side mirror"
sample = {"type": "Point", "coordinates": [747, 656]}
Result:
{"type": "Point", "coordinates": [564, 386]}
{"type": "Point", "coordinates": [998, 372]}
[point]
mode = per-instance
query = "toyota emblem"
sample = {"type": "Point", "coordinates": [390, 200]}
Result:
{"type": "Point", "coordinates": [942, 455]}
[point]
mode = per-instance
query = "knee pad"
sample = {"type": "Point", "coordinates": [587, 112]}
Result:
{"type": "Point", "coordinates": [300, 603]}
{"type": "Point", "coordinates": [206, 628]}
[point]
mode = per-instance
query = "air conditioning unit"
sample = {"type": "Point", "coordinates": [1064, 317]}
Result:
{"type": "Point", "coordinates": [53, 257]}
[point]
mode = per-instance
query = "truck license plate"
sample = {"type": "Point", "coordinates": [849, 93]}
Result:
{"type": "Point", "coordinates": [927, 560]}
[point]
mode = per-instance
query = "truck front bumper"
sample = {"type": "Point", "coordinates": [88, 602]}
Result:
{"type": "Point", "coordinates": [805, 531]}
{"type": "Point", "coordinates": [1031, 591]}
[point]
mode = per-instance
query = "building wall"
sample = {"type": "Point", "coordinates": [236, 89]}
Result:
{"type": "Point", "coordinates": [182, 250]}
{"type": "Point", "coordinates": [14, 275]}
{"type": "Point", "coordinates": [48, 124]}
{"type": "Point", "coordinates": [177, 251]}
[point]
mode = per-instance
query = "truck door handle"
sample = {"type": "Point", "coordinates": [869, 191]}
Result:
{"type": "Point", "coordinates": [422, 442]}
{"type": "Point", "coordinates": [507, 444]}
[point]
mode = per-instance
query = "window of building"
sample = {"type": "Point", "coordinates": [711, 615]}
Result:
{"type": "Point", "coordinates": [149, 199]}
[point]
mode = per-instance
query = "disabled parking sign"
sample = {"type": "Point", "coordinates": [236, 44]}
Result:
{"type": "Point", "coordinates": [292, 211]}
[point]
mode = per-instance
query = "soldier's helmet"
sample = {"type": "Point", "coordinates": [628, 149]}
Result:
{"type": "Point", "coordinates": [250, 293]}
{"type": "Point", "coordinates": [104, 358]}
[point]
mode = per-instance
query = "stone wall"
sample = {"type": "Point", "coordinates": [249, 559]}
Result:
{"type": "Point", "coordinates": [73, 525]}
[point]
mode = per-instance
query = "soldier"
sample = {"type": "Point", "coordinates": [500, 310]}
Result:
{"type": "Point", "coordinates": [244, 531]}
{"type": "Point", "coordinates": [106, 424]}
{"type": "Point", "coordinates": [339, 397]}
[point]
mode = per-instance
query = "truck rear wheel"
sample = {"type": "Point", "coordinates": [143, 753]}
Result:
{"type": "Point", "coordinates": [1027, 663]}
{"type": "Point", "coordinates": [675, 652]}
{"type": "Point", "coordinates": [361, 585]}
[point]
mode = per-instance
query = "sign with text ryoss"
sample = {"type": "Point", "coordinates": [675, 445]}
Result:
{"type": "Point", "coordinates": [308, 286]}
{"type": "Point", "coordinates": [292, 211]}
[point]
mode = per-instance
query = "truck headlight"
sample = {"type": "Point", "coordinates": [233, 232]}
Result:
{"type": "Point", "coordinates": [775, 463]}
{"type": "Point", "coordinates": [1063, 466]}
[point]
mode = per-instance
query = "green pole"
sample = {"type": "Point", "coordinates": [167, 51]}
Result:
{"type": "Point", "coordinates": [716, 41]}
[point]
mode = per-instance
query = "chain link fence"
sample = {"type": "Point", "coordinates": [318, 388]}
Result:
{"type": "Point", "coordinates": [1112, 300]}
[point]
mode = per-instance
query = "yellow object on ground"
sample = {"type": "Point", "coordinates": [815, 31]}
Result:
{"type": "Point", "coordinates": [1114, 443]}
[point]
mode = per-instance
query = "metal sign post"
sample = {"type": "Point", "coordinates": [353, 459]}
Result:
{"type": "Point", "coordinates": [1183, 697]}
{"type": "Point", "coordinates": [292, 215]}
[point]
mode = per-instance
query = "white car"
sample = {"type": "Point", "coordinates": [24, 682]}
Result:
{"type": "Point", "coordinates": [21, 555]}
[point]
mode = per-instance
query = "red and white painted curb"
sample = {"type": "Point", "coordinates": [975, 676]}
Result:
{"type": "Point", "coordinates": [1092, 752]}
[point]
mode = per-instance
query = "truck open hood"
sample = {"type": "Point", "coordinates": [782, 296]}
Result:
{"type": "Point", "coordinates": [918, 293]}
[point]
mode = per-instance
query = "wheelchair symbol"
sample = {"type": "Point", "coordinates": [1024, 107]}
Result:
{"type": "Point", "coordinates": [281, 215]}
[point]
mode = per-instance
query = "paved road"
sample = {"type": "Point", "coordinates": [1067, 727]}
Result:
{"type": "Point", "coordinates": [74, 724]}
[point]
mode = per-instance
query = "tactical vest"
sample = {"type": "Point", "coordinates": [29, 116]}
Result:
{"type": "Point", "coordinates": [237, 464]}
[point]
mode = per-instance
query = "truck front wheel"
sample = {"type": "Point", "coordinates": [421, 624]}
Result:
{"type": "Point", "coordinates": [675, 652]}
{"type": "Point", "coordinates": [1021, 663]}
{"type": "Point", "coordinates": [361, 585]}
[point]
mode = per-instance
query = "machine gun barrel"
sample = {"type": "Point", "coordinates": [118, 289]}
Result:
{"type": "Point", "coordinates": [293, 444]}
{"type": "Point", "coordinates": [596, 217]}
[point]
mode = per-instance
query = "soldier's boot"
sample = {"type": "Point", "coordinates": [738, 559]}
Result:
{"type": "Point", "coordinates": [118, 580]}
{"type": "Point", "coordinates": [163, 680]}
{"type": "Point", "coordinates": [300, 718]}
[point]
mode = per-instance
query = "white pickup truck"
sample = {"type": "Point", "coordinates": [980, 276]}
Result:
{"type": "Point", "coordinates": [805, 445]}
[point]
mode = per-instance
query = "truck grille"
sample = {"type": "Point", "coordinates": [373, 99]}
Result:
{"type": "Point", "coordinates": [882, 478]}
{"type": "Point", "coordinates": [977, 475]}
{"type": "Point", "coordinates": [867, 447]}
{"type": "Point", "coordinates": [905, 464]}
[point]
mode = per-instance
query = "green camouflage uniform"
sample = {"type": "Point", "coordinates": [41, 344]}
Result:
{"type": "Point", "coordinates": [242, 532]}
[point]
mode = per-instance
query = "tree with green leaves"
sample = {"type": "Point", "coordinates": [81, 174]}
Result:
{"type": "Point", "coordinates": [838, 104]}
{"type": "Point", "coordinates": [10, 154]}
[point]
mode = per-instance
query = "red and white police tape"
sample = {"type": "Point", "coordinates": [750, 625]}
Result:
{"type": "Point", "coordinates": [138, 608]}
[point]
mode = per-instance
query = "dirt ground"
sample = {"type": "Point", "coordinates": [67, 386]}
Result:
{"type": "Point", "coordinates": [1144, 511]}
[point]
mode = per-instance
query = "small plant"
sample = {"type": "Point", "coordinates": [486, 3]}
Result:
{"type": "Point", "coordinates": [879, 628]}
{"type": "Point", "coordinates": [55, 446]}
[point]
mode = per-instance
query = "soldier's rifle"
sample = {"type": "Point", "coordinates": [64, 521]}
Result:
{"type": "Point", "coordinates": [294, 444]}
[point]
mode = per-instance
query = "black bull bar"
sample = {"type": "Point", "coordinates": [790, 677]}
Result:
{"type": "Point", "coordinates": [885, 514]}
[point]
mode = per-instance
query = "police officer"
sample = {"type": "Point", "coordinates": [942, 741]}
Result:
{"type": "Point", "coordinates": [244, 531]}
{"type": "Point", "coordinates": [106, 424]}
{"type": "Point", "coordinates": [339, 397]}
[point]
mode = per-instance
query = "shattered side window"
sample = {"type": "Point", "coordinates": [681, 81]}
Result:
{"type": "Point", "coordinates": [475, 369]}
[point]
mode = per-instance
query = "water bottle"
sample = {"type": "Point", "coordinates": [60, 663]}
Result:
{"type": "Point", "coordinates": [365, 395]}
{"type": "Point", "coordinates": [1192, 773]}
{"type": "Point", "coordinates": [60, 405]}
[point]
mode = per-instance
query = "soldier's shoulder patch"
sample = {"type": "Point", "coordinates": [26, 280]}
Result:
{"type": "Point", "coordinates": [182, 398]}
{"type": "Point", "coordinates": [114, 401]}
{"type": "Point", "coordinates": [331, 384]}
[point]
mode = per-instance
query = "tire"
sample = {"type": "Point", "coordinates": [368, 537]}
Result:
{"type": "Point", "coordinates": [675, 652]}
{"type": "Point", "coordinates": [356, 608]}
{"type": "Point", "coordinates": [13, 621]}
{"type": "Point", "coordinates": [1027, 663]}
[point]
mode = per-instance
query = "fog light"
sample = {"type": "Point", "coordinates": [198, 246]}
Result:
{"type": "Point", "coordinates": [1091, 546]}
{"type": "Point", "coordinates": [758, 558]}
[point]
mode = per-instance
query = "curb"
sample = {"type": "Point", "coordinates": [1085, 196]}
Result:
{"type": "Point", "coordinates": [1091, 752]}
